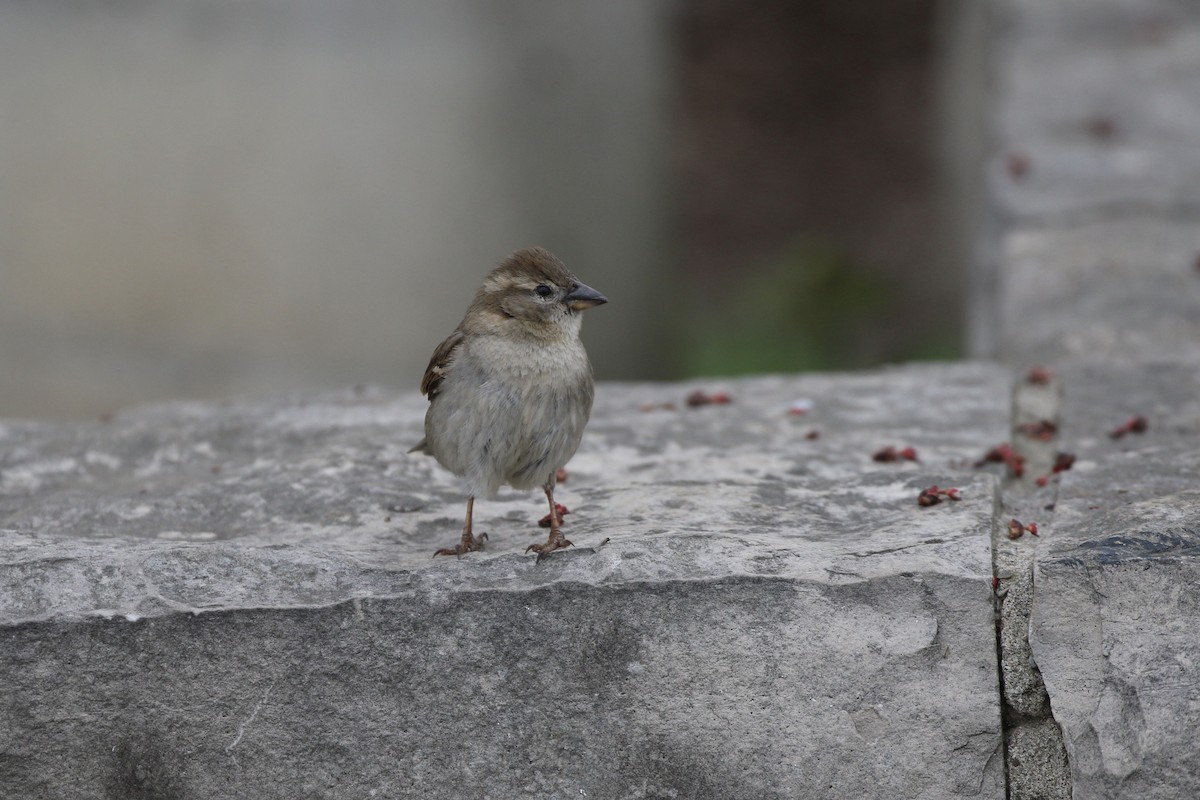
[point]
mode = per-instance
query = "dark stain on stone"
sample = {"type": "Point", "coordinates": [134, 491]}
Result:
{"type": "Point", "coordinates": [607, 650]}
{"type": "Point", "coordinates": [670, 769]}
{"type": "Point", "coordinates": [1142, 545]}
{"type": "Point", "coordinates": [141, 772]}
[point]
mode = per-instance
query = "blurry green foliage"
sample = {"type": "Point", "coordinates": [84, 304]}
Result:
{"type": "Point", "coordinates": [813, 308]}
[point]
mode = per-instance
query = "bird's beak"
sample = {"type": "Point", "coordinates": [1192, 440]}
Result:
{"type": "Point", "coordinates": [583, 296]}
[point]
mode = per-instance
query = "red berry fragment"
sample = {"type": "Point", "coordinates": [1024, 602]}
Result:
{"type": "Point", "coordinates": [1016, 529]}
{"type": "Point", "coordinates": [995, 583]}
{"type": "Point", "coordinates": [1004, 454]}
{"type": "Point", "coordinates": [702, 398]}
{"type": "Point", "coordinates": [1062, 463]}
{"type": "Point", "coordinates": [889, 454]}
{"type": "Point", "coordinates": [933, 495]}
{"type": "Point", "coordinates": [1018, 165]}
{"type": "Point", "coordinates": [800, 407]}
{"type": "Point", "coordinates": [559, 510]}
{"type": "Point", "coordinates": [1136, 424]}
{"type": "Point", "coordinates": [560, 475]}
{"type": "Point", "coordinates": [1039, 376]}
{"type": "Point", "coordinates": [1043, 430]}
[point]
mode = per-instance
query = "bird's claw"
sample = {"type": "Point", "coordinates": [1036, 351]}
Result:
{"type": "Point", "coordinates": [549, 546]}
{"type": "Point", "coordinates": [469, 544]}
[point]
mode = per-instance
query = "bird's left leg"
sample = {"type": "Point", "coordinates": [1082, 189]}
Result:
{"type": "Point", "coordinates": [556, 541]}
{"type": "Point", "coordinates": [469, 542]}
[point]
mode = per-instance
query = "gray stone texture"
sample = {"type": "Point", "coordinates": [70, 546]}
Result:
{"type": "Point", "coordinates": [1101, 99]}
{"type": "Point", "coordinates": [1094, 212]}
{"type": "Point", "coordinates": [1115, 616]}
{"type": "Point", "coordinates": [238, 600]}
{"type": "Point", "coordinates": [1094, 179]}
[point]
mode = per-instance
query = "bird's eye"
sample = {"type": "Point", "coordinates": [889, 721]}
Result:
{"type": "Point", "coordinates": [543, 290]}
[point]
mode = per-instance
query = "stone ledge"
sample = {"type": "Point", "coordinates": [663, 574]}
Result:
{"type": "Point", "coordinates": [772, 616]}
{"type": "Point", "coordinates": [323, 490]}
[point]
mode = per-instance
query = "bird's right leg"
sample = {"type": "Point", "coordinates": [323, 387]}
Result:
{"type": "Point", "coordinates": [469, 543]}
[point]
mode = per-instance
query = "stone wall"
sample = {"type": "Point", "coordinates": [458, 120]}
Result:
{"type": "Point", "coordinates": [1092, 266]}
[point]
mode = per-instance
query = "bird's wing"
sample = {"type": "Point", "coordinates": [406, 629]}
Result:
{"type": "Point", "coordinates": [435, 373]}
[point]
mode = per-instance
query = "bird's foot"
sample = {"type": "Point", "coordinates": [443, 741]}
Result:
{"type": "Point", "coordinates": [556, 542]}
{"type": "Point", "coordinates": [469, 544]}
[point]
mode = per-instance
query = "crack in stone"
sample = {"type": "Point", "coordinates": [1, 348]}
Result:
{"type": "Point", "coordinates": [1035, 758]}
{"type": "Point", "coordinates": [247, 722]}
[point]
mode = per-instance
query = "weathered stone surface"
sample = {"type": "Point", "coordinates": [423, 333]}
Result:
{"type": "Point", "coordinates": [1115, 613]}
{"type": "Point", "coordinates": [1099, 102]}
{"type": "Point", "coordinates": [1094, 182]}
{"type": "Point", "coordinates": [1123, 289]}
{"type": "Point", "coordinates": [1092, 265]}
{"type": "Point", "coordinates": [1038, 767]}
{"type": "Point", "coordinates": [238, 600]}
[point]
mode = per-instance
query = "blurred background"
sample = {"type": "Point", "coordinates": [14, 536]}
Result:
{"type": "Point", "coordinates": [213, 198]}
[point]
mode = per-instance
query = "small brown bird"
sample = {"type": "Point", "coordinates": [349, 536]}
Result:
{"type": "Point", "coordinates": [511, 389]}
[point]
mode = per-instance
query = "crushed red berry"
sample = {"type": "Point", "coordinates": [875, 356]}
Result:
{"type": "Point", "coordinates": [1039, 376]}
{"type": "Point", "coordinates": [1136, 424]}
{"type": "Point", "coordinates": [559, 510]}
{"type": "Point", "coordinates": [933, 495]}
{"type": "Point", "coordinates": [889, 454]}
{"type": "Point", "coordinates": [1063, 462]}
{"type": "Point", "coordinates": [1004, 454]}
{"type": "Point", "coordinates": [1043, 430]}
{"type": "Point", "coordinates": [702, 398]}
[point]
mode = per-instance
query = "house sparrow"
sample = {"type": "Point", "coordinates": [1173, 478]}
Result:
{"type": "Point", "coordinates": [511, 389]}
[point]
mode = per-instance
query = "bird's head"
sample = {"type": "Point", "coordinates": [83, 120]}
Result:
{"type": "Point", "coordinates": [533, 287]}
